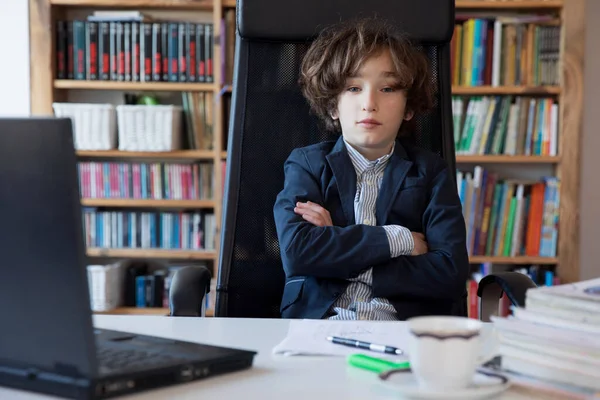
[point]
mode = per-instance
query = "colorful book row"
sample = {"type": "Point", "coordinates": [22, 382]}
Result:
{"type": "Point", "coordinates": [505, 50]}
{"type": "Point", "coordinates": [509, 217]}
{"type": "Point", "coordinates": [168, 181]}
{"type": "Point", "coordinates": [150, 230]}
{"type": "Point", "coordinates": [505, 125]}
{"type": "Point", "coordinates": [134, 50]}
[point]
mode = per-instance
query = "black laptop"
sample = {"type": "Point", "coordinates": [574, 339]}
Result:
{"type": "Point", "coordinates": [47, 340]}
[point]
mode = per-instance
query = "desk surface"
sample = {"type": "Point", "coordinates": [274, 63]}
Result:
{"type": "Point", "coordinates": [272, 376]}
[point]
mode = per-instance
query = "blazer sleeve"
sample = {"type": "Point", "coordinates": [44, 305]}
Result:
{"type": "Point", "coordinates": [442, 272]}
{"type": "Point", "coordinates": [322, 252]}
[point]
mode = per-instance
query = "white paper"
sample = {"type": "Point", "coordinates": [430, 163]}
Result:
{"type": "Point", "coordinates": [309, 337]}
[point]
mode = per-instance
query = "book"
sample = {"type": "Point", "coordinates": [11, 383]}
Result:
{"type": "Point", "coordinates": [555, 336]}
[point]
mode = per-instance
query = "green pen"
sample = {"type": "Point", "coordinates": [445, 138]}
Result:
{"type": "Point", "coordinates": [374, 364]}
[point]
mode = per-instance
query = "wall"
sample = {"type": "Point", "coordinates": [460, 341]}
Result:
{"type": "Point", "coordinates": [590, 163]}
{"type": "Point", "coordinates": [14, 46]}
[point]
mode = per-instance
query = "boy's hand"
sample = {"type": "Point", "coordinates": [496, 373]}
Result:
{"type": "Point", "coordinates": [313, 213]}
{"type": "Point", "coordinates": [420, 246]}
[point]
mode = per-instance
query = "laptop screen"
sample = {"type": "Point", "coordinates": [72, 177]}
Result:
{"type": "Point", "coordinates": [44, 297]}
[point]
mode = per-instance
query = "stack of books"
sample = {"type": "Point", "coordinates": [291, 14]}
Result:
{"type": "Point", "coordinates": [554, 340]}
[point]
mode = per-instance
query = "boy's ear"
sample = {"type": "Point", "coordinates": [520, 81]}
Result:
{"type": "Point", "coordinates": [334, 114]}
{"type": "Point", "coordinates": [408, 115]}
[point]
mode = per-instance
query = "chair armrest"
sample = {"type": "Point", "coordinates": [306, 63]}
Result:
{"type": "Point", "coordinates": [491, 287]}
{"type": "Point", "coordinates": [189, 286]}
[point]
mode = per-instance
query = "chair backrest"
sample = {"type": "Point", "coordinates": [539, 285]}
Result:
{"type": "Point", "coordinates": [270, 117]}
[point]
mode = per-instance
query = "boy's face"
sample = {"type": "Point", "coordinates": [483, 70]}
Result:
{"type": "Point", "coordinates": [370, 110]}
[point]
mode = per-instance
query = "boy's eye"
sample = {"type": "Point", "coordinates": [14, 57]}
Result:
{"type": "Point", "coordinates": [353, 89]}
{"type": "Point", "coordinates": [388, 89]}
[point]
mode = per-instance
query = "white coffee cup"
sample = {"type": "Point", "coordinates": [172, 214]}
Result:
{"type": "Point", "coordinates": [445, 351]}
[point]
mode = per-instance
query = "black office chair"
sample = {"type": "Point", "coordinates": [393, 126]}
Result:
{"type": "Point", "coordinates": [187, 291]}
{"type": "Point", "coordinates": [270, 117]}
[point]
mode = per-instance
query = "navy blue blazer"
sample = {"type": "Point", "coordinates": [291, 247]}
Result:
{"type": "Point", "coordinates": [417, 192]}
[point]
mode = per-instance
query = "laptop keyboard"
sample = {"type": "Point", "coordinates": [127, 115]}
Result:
{"type": "Point", "coordinates": [118, 358]}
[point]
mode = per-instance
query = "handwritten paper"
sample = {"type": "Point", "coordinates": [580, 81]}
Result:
{"type": "Point", "coordinates": [309, 337]}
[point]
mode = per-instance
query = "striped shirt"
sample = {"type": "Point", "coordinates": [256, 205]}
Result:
{"type": "Point", "coordinates": [357, 302]}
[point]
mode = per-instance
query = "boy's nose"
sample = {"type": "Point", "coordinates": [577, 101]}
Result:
{"type": "Point", "coordinates": [369, 103]}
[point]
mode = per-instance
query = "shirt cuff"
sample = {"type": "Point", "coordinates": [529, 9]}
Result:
{"type": "Point", "coordinates": [400, 240]}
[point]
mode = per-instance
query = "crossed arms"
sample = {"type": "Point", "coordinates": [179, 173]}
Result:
{"type": "Point", "coordinates": [312, 246]}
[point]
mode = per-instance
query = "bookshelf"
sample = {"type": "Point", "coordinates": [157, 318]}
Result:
{"type": "Point", "coordinates": [46, 89]}
{"type": "Point", "coordinates": [557, 155]}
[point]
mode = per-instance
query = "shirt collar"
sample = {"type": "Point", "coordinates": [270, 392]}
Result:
{"type": "Point", "coordinates": [361, 164]}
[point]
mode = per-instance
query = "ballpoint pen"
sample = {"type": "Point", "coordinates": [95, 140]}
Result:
{"type": "Point", "coordinates": [380, 348]}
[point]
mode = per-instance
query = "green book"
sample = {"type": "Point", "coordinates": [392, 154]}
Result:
{"type": "Point", "coordinates": [509, 227]}
{"type": "Point", "coordinates": [489, 246]}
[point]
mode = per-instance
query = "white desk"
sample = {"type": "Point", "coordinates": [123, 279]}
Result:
{"type": "Point", "coordinates": [271, 377]}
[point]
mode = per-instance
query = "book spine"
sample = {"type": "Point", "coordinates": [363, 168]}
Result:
{"type": "Point", "coordinates": [61, 49]}
{"type": "Point", "coordinates": [156, 52]}
{"type": "Point", "coordinates": [140, 297]}
{"type": "Point", "coordinates": [104, 51]}
{"type": "Point", "coordinates": [164, 38]}
{"type": "Point", "coordinates": [79, 50]}
{"type": "Point", "coordinates": [135, 52]}
{"type": "Point", "coordinates": [127, 50]}
{"type": "Point", "coordinates": [120, 46]}
{"type": "Point", "coordinates": [208, 37]}
{"type": "Point", "coordinates": [173, 52]}
{"type": "Point", "coordinates": [146, 52]}
{"type": "Point", "coordinates": [200, 53]}
{"type": "Point", "coordinates": [113, 51]}
{"type": "Point", "coordinates": [70, 51]}
{"type": "Point", "coordinates": [91, 50]}
{"type": "Point", "coordinates": [190, 40]}
{"type": "Point", "coordinates": [182, 52]}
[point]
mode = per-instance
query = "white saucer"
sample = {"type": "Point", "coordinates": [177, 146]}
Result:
{"type": "Point", "coordinates": [483, 386]}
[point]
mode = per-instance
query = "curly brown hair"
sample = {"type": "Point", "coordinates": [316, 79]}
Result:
{"type": "Point", "coordinates": [340, 50]}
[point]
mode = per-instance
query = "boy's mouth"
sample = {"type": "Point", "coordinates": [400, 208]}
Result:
{"type": "Point", "coordinates": [369, 122]}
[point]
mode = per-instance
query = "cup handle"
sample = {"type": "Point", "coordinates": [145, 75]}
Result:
{"type": "Point", "coordinates": [490, 347]}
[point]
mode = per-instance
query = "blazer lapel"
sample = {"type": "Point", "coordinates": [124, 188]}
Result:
{"type": "Point", "coordinates": [393, 176]}
{"type": "Point", "coordinates": [345, 176]}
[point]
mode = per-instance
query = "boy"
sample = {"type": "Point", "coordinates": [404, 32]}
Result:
{"type": "Point", "coordinates": [369, 226]}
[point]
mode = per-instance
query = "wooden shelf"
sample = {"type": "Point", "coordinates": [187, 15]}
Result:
{"type": "Point", "coordinates": [134, 4]}
{"type": "Point", "coordinates": [512, 260]}
{"type": "Point", "coordinates": [507, 159]}
{"type": "Point", "coordinates": [152, 253]}
{"type": "Point", "coordinates": [506, 90]}
{"type": "Point", "coordinates": [143, 311]}
{"type": "Point", "coordinates": [135, 311]}
{"type": "Point", "coordinates": [508, 4]}
{"type": "Point", "coordinates": [147, 203]}
{"type": "Point", "coordinates": [140, 86]}
{"type": "Point", "coordinates": [179, 154]}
